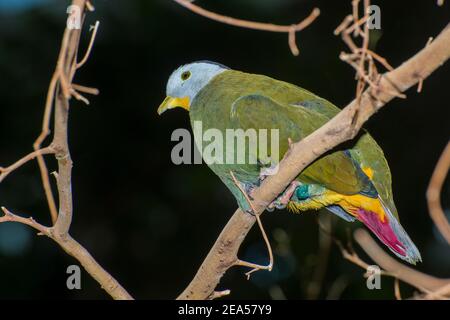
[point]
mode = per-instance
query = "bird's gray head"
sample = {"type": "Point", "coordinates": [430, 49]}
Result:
{"type": "Point", "coordinates": [186, 82]}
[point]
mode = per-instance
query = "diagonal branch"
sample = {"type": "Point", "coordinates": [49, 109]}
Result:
{"type": "Point", "coordinates": [344, 126]}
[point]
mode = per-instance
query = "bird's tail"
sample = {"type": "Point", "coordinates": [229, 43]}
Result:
{"type": "Point", "coordinates": [391, 233]}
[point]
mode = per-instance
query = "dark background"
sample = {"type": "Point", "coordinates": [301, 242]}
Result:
{"type": "Point", "coordinates": [151, 223]}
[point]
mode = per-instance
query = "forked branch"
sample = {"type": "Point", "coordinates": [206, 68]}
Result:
{"type": "Point", "coordinates": [291, 30]}
{"type": "Point", "coordinates": [60, 91]}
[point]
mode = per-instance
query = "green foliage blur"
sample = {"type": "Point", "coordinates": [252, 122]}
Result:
{"type": "Point", "coordinates": [151, 223]}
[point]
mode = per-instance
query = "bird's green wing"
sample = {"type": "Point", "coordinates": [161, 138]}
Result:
{"type": "Point", "coordinates": [320, 106]}
{"type": "Point", "coordinates": [335, 171]}
{"type": "Point", "coordinates": [259, 113]}
{"type": "Point", "coordinates": [366, 152]}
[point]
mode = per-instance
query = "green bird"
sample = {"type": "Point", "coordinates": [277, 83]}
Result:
{"type": "Point", "coordinates": [354, 183]}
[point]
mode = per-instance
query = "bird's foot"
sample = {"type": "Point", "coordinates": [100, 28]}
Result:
{"type": "Point", "coordinates": [282, 201]}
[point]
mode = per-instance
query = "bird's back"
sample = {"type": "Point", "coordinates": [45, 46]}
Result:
{"type": "Point", "coordinates": [296, 112]}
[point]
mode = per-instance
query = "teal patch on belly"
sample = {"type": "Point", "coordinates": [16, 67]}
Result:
{"type": "Point", "coordinates": [302, 192]}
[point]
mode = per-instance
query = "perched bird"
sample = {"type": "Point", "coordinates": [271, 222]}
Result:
{"type": "Point", "coordinates": [354, 182]}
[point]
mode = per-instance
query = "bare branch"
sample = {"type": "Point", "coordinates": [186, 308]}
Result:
{"type": "Point", "coordinates": [291, 30]}
{"type": "Point", "coordinates": [59, 93]}
{"type": "Point", "coordinates": [434, 194]}
{"type": "Point", "coordinates": [91, 44]}
{"type": "Point", "coordinates": [11, 217]}
{"type": "Point", "coordinates": [255, 267]}
{"type": "Point", "coordinates": [4, 172]}
{"type": "Point", "coordinates": [413, 277]}
{"type": "Point", "coordinates": [88, 90]}
{"type": "Point", "coordinates": [362, 59]}
{"type": "Point", "coordinates": [420, 84]}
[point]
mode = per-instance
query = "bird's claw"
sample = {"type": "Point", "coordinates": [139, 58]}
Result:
{"type": "Point", "coordinates": [277, 204]}
{"type": "Point", "coordinates": [282, 201]}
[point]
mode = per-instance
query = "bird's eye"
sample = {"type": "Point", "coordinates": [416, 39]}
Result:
{"type": "Point", "coordinates": [185, 75]}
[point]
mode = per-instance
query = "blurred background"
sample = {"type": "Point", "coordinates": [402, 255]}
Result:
{"type": "Point", "coordinates": [151, 223]}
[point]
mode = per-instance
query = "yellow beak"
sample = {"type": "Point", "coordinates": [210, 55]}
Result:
{"type": "Point", "coordinates": [171, 102]}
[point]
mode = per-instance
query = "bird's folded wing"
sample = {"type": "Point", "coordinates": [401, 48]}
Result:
{"type": "Point", "coordinates": [257, 112]}
{"type": "Point", "coordinates": [335, 171]}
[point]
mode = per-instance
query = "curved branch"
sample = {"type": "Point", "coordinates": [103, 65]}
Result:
{"type": "Point", "coordinates": [291, 30]}
{"type": "Point", "coordinates": [4, 172]}
{"type": "Point", "coordinates": [75, 249]}
{"type": "Point", "coordinates": [421, 281]}
{"type": "Point", "coordinates": [344, 126]}
{"type": "Point", "coordinates": [8, 216]}
{"type": "Point", "coordinates": [66, 67]}
{"type": "Point", "coordinates": [434, 194]}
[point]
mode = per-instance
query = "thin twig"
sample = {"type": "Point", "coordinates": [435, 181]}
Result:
{"type": "Point", "coordinates": [255, 267]}
{"type": "Point", "coordinates": [38, 143]}
{"type": "Point", "coordinates": [363, 75]}
{"type": "Point", "coordinates": [79, 97]}
{"type": "Point", "coordinates": [344, 25]}
{"type": "Point", "coordinates": [289, 29]}
{"type": "Point", "coordinates": [379, 58]}
{"type": "Point", "coordinates": [441, 293]}
{"type": "Point", "coordinates": [88, 90]}
{"type": "Point", "coordinates": [434, 194]}
{"type": "Point", "coordinates": [420, 84]}
{"type": "Point", "coordinates": [432, 287]}
{"type": "Point", "coordinates": [89, 6]}
{"type": "Point", "coordinates": [4, 172]}
{"type": "Point", "coordinates": [8, 216]}
{"type": "Point", "coordinates": [355, 8]}
{"type": "Point", "coordinates": [91, 44]}
{"type": "Point", "coordinates": [397, 292]}
{"type": "Point", "coordinates": [402, 272]}
{"type": "Point", "coordinates": [219, 294]}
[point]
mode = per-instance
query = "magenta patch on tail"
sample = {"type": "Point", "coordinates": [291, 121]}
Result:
{"type": "Point", "coordinates": [382, 230]}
